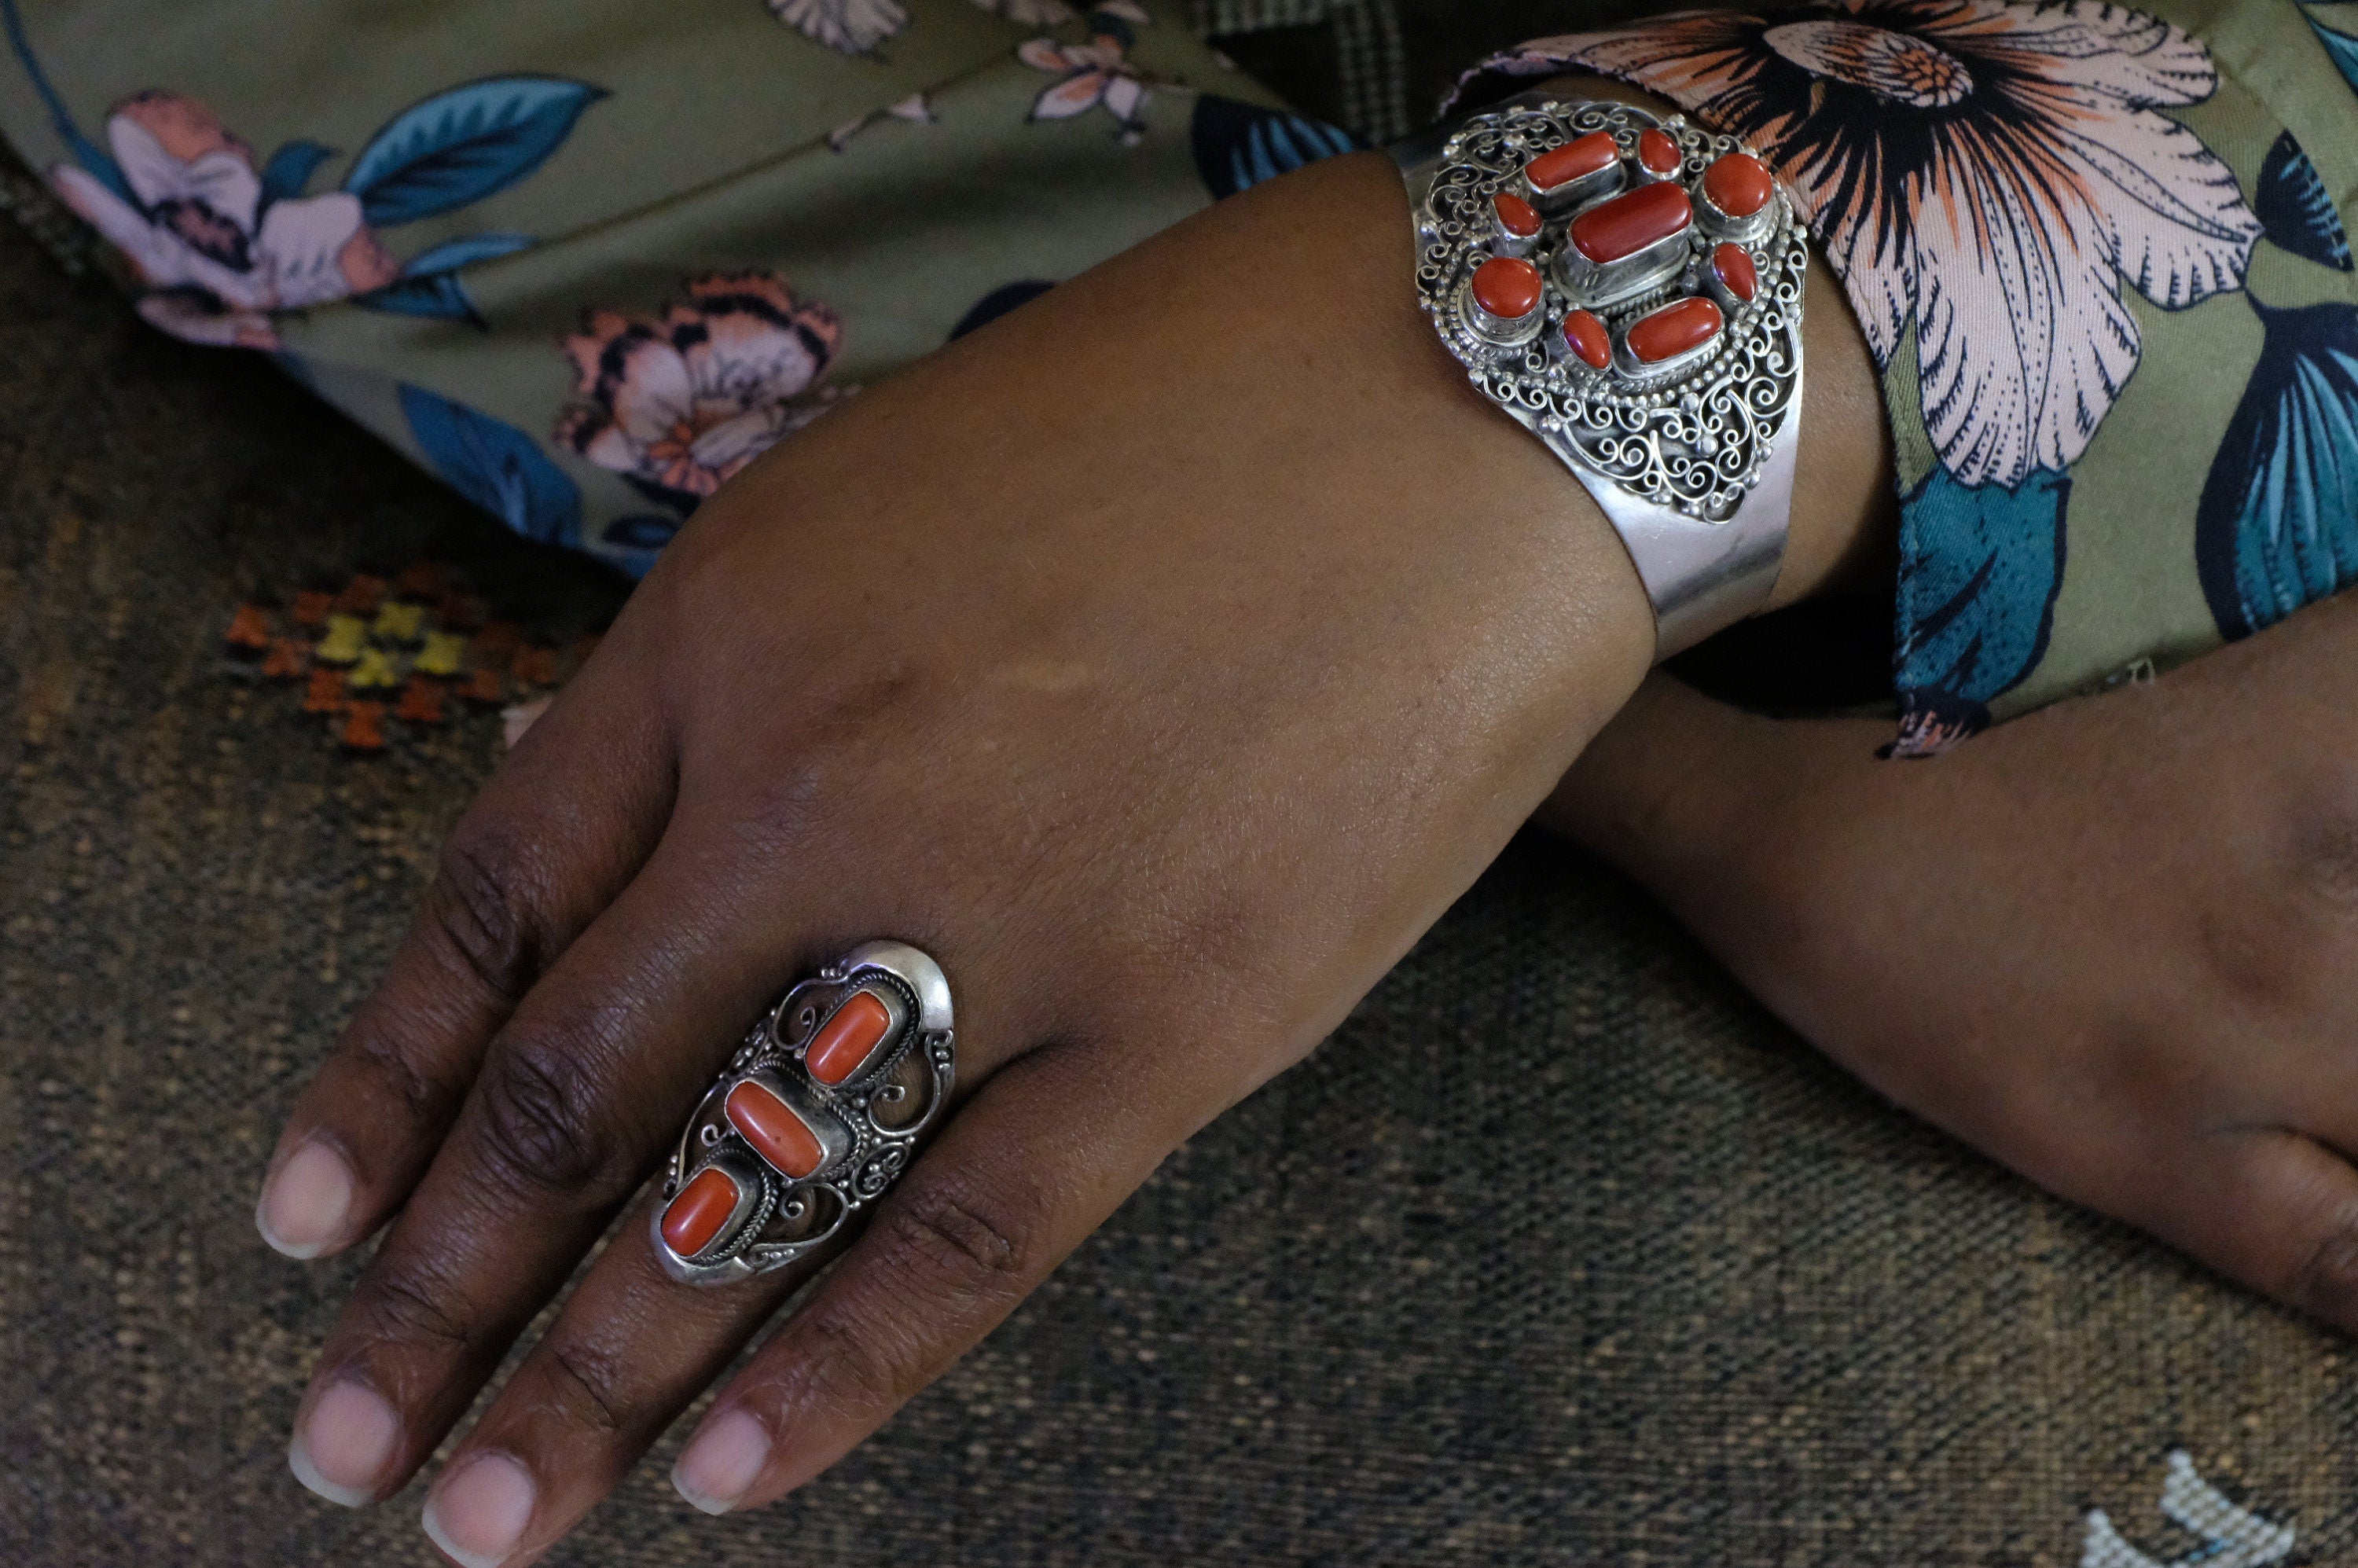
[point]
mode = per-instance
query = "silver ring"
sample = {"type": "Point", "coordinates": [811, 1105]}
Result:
{"type": "Point", "coordinates": [813, 1118]}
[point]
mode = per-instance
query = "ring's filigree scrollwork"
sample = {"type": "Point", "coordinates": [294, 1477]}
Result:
{"type": "Point", "coordinates": [815, 1115]}
{"type": "Point", "coordinates": [1667, 355]}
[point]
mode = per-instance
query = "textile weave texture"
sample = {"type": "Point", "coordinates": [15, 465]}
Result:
{"type": "Point", "coordinates": [1560, 1252]}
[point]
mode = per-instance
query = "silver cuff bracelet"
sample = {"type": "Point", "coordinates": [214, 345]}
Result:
{"type": "Point", "coordinates": [1629, 289]}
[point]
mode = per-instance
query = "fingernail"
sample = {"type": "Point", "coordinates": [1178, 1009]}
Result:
{"type": "Point", "coordinates": [478, 1515]}
{"type": "Point", "coordinates": [306, 1203]}
{"type": "Point", "coordinates": [341, 1448]}
{"type": "Point", "coordinates": [722, 1463]}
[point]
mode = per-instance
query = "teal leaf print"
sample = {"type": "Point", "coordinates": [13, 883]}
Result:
{"type": "Point", "coordinates": [2341, 48]}
{"type": "Point", "coordinates": [632, 542]}
{"type": "Point", "coordinates": [1239, 145]}
{"type": "Point", "coordinates": [2293, 205]}
{"type": "Point", "coordinates": [496, 465]}
{"type": "Point", "coordinates": [96, 160]}
{"type": "Point", "coordinates": [465, 251]}
{"type": "Point", "coordinates": [2276, 526]}
{"type": "Point", "coordinates": [430, 285]}
{"type": "Point", "coordinates": [1979, 569]}
{"type": "Point", "coordinates": [998, 303]}
{"type": "Point", "coordinates": [290, 168]}
{"type": "Point", "coordinates": [464, 145]}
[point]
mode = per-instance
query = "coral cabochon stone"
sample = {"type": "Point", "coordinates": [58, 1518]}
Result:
{"type": "Point", "coordinates": [1737, 184]}
{"type": "Point", "coordinates": [1658, 152]}
{"type": "Point", "coordinates": [1576, 159]}
{"type": "Point", "coordinates": [1627, 224]}
{"type": "Point", "coordinates": [1733, 266]}
{"type": "Point", "coordinates": [1684, 324]}
{"type": "Point", "coordinates": [777, 1134]}
{"type": "Point", "coordinates": [693, 1221]}
{"type": "Point", "coordinates": [1585, 335]}
{"type": "Point", "coordinates": [850, 1037]}
{"type": "Point", "coordinates": [1516, 216]}
{"type": "Point", "coordinates": [1508, 287]}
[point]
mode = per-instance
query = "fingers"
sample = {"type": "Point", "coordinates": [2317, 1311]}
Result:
{"type": "Point", "coordinates": [631, 1349]}
{"type": "Point", "coordinates": [590, 1079]}
{"type": "Point", "coordinates": [1029, 1167]}
{"type": "Point", "coordinates": [560, 829]}
{"type": "Point", "coordinates": [1017, 1180]}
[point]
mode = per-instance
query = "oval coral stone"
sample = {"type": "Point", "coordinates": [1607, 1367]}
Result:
{"type": "Point", "coordinates": [1737, 184]}
{"type": "Point", "coordinates": [776, 1133]}
{"type": "Point", "coordinates": [1673, 329]}
{"type": "Point", "coordinates": [1561, 166]}
{"type": "Point", "coordinates": [1733, 266]}
{"type": "Point", "coordinates": [843, 1047]}
{"type": "Point", "coordinates": [1658, 152]}
{"type": "Point", "coordinates": [1516, 216]}
{"type": "Point", "coordinates": [695, 1217]}
{"type": "Point", "coordinates": [1627, 224]}
{"type": "Point", "coordinates": [1508, 287]}
{"type": "Point", "coordinates": [1585, 334]}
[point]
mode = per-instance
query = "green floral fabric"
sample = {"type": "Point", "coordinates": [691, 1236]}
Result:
{"type": "Point", "coordinates": [584, 261]}
{"type": "Point", "coordinates": [2098, 252]}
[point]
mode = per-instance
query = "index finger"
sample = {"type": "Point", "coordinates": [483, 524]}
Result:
{"type": "Point", "coordinates": [562, 827]}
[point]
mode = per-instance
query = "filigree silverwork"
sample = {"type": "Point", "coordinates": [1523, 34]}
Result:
{"type": "Point", "coordinates": [818, 1112]}
{"type": "Point", "coordinates": [1662, 360]}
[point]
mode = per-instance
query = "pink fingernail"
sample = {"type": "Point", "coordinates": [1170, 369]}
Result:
{"type": "Point", "coordinates": [343, 1447]}
{"type": "Point", "coordinates": [307, 1202]}
{"type": "Point", "coordinates": [477, 1514]}
{"type": "Point", "coordinates": [723, 1462]}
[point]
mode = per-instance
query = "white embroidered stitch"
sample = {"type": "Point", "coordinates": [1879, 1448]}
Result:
{"type": "Point", "coordinates": [2238, 1536]}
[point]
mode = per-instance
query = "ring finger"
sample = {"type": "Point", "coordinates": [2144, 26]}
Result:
{"type": "Point", "coordinates": [1028, 1167]}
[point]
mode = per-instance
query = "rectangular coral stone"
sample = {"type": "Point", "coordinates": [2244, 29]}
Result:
{"type": "Point", "coordinates": [1627, 224]}
{"type": "Point", "coordinates": [777, 1132]}
{"type": "Point", "coordinates": [1573, 161]}
{"type": "Point", "coordinates": [850, 1038]}
{"type": "Point", "coordinates": [693, 1221]}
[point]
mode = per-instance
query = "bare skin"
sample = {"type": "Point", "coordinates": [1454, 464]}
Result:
{"type": "Point", "coordinates": [1164, 658]}
{"type": "Point", "coordinates": [2109, 943]}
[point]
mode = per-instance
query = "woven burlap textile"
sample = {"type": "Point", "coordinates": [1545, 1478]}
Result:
{"type": "Point", "coordinates": [1561, 1251]}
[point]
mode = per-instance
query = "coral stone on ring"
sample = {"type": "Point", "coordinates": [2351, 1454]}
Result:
{"type": "Point", "coordinates": [819, 1112]}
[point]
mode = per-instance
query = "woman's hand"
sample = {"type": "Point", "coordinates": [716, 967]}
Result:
{"type": "Point", "coordinates": [2110, 943]}
{"type": "Point", "coordinates": [1163, 659]}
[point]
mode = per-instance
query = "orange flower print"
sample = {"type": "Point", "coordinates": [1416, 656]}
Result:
{"type": "Point", "coordinates": [677, 404]}
{"type": "Point", "coordinates": [1991, 171]}
{"type": "Point", "coordinates": [216, 258]}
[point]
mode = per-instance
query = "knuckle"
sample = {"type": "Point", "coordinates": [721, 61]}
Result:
{"type": "Point", "coordinates": [479, 903]}
{"type": "Point", "coordinates": [944, 1242]}
{"type": "Point", "coordinates": [409, 1306]}
{"type": "Point", "coordinates": [2322, 844]}
{"type": "Point", "coordinates": [587, 1386]}
{"type": "Point", "coordinates": [390, 1061]}
{"type": "Point", "coordinates": [853, 1362]}
{"type": "Point", "coordinates": [542, 1130]}
{"type": "Point", "coordinates": [941, 1263]}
